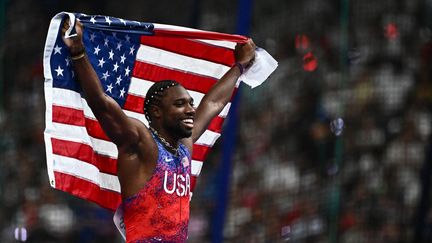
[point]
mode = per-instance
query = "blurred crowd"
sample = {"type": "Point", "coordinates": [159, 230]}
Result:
{"type": "Point", "coordinates": [293, 179]}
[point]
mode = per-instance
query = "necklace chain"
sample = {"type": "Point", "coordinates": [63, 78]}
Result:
{"type": "Point", "coordinates": [165, 142]}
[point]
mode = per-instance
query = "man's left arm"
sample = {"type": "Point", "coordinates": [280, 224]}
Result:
{"type": "Point", "coordinates": [219, 95]}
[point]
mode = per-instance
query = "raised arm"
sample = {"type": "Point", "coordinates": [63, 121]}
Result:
{"type": "Point", "coordinates": [219, 95]}
{"type": "Point", "coordinates": [118, 127]}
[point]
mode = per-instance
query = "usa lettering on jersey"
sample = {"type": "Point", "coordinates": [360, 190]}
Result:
{"type": "Point", "coordinates": [180, 184]}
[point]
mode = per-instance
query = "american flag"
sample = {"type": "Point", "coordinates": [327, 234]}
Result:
{"type": "Point", "coordinates": [128, 56]}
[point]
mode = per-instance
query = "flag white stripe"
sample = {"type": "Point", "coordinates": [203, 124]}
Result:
{"type": "Point", "coordinates": [67, 98]}
{"type": "Point", "coordinates": [196, 167]}
{"type": "Point", "coordinates": [173, 60]}
{"type": "Point", "coordinates": [85, 171]}
{"type": "Point", "coordinates": [226, 44]}
{"type": "Point", "coordinates": [137, 116]}
{"type": "Point", "coordinates": [225, 110]}
{"type": "Point", "coordinates": [79, 134]}
{"type": "Point", "coordinates": [173, 27]}
{"type": "Point", "coordinates": [208, 138]}
{"type": "Point", "coordinates": [48, 126]}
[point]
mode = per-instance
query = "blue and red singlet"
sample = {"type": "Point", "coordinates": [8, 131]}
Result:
{"type": "Point", "coordinates": [159, 212]}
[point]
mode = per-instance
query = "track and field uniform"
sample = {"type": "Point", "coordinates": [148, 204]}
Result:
{"type": "Point", "coordinates": [159, 212]}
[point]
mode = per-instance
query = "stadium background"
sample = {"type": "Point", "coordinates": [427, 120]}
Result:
{"type": "Point", "coordinates": [292, 179]}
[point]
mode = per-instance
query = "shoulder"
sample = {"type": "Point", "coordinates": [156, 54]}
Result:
{"type": "Point", "coordinates": [144, 142]}
{"type": "Point", "coordinates": [188, 143]}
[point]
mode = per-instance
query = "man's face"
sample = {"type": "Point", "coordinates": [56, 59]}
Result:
{"type": "Point", "coordinates": [178, 112]}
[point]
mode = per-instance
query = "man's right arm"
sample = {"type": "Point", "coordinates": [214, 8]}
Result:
{"type": "Point", "coordinates": [117, 126]}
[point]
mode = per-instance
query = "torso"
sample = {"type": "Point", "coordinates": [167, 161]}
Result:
{"type": "Point", "coordinates": [159, 211]}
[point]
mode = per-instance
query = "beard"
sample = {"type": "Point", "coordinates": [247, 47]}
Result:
{"type": "Point", "coordinates": [179, 130]}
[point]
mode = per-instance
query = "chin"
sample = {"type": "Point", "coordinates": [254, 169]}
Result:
{"type": "Point", "coordinates": [182, 132]}
{"type": "Point", "coordinates": [186, 133]}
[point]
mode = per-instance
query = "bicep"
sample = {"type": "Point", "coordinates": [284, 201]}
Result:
{"type": "Point", "coordinates": [114, 122]}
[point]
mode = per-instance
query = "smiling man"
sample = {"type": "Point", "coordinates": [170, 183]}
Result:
{"type": "Point", "coordinates": [154, 163]}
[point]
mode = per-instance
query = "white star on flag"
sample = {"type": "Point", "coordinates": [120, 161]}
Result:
{"type": "Point", "coordinates": [119, 45]}
{"type": "Point", "coordinates": [109, 88]}
{"type": "Point", "coordinates": [93, 20]}
{"type": "Point", "coordinates": [107, 19]}
{"type": "Point", "coordinates": [127, 71]}
{"type": "Point", "coordinates": [105, 75]}
{"type": "Point", "coordinates": [119, 79]}
{"type": "Point", "coordinates": [122, 92]}
{"type": "Point", "coordinates": [132, 50]}
{"type": "Point", "coordinates": [92, 36]}
{"type": "Point", "coordinates": [101, 62]}
{"type": "Point", "coordinates": [116, 66]}
{"type": "Point", "coordinates": [59, 71]}
{"type": "Point", "coordinates": [96, 50]}
{"type": "Point", "coordinates": [123, 58]}
{"type": "Point", "coordinates": [57, 49]}
{"type": "Point", "coordinates": [111, 55]}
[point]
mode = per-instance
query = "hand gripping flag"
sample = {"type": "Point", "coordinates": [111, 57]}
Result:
{"type": "Point", "coordinates": [128, 57]}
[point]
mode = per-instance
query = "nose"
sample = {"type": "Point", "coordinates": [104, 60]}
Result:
{"type": "Point", "coordinates": [190, 110]}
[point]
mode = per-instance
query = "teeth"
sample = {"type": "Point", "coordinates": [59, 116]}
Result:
{"type": "Point", "coordinates": [188, 120]}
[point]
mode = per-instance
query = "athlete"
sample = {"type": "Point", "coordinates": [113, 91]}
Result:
{"type": "Point", "coordinates": [154, 163]}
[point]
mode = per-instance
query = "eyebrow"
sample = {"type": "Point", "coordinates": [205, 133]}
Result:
{"type": "Point", "coordinates": [181, 99]}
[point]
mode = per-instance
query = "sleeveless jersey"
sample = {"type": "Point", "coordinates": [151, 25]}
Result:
{"type": "Point", "coordinates": [159, 212]}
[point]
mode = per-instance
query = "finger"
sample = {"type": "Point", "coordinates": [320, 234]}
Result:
{"type": "Point", "coordinates": [252, 43]}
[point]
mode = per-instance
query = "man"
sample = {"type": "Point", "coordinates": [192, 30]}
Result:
{"type": "Point", "coordinates": [154, 163]}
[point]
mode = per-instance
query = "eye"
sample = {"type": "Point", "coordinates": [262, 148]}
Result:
{"type": "Point", "coordinates": [179, 103]}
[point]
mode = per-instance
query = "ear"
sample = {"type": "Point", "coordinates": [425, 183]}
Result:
{"type": "Point", "coordinates": [156, 111]}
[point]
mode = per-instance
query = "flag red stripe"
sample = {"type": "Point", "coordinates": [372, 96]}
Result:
{"type": "Point", "coordinates": [190, 81]}
{"type": "Point", "coordinates": [216, 124]}
{"type": "Point", "coordinates": [200, 152]}
{"type": "Point", "coordinates": [95, 130]}
{"type": "Point", "coordinates": [191, 48]}
{"type": "Point", "coordinates": [84, 153]}
{"type": "Point", "coordinates": [134, 103]}
{"type": "Point", "coordinates": [72, 116]}
{"type": "Point", "coordinates": [68, 115]}
{"type": "Point", "coordinates": [191, 34]}
{"type": "Point", "coordinates": [88, 190]}
{"type": "Point", "coordinates": [193, 182]}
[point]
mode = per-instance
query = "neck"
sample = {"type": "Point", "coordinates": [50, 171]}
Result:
{"type": "Point", "coordinates": [167, 141]}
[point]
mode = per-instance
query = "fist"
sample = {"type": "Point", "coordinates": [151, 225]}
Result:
{"type": "Point", "coordinates": [75, 44]}
{"type": "Point", "coordinates": [245, 53]}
